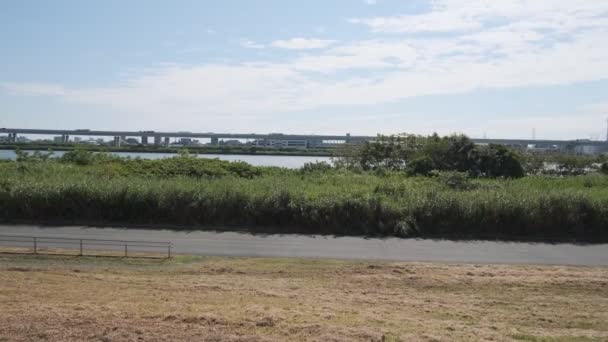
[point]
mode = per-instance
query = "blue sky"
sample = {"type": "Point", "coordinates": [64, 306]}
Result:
{"type": "Point", "coordinates": [484, 68]}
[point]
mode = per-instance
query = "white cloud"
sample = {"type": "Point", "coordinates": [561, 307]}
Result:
{"type": "Point", "coordinates": [529, 43]}
{"type": "Point", "coordinates": [467, 15]}
{"type": "Point", "coordinates": [370, 54]}
{"type": "Point", "coordinates": [302, 43]}
{"type": "Point", "coordinates": [34, 89]}
{"type": "Point", "coordinates": [433, 22]}
{"type": "Point", "coordinates": [248, 44]}
{"type": "Point", "coordinates": [274, 87]}
{"type": "Point", "coordinates": [371, 2]}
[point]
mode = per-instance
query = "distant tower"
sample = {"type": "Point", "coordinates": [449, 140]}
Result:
{"type": "Point", "coordinates": [533, 133]}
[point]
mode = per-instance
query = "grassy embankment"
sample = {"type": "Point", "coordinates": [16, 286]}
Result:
{"type": "Point", "coordinates": [249, 299]}
{"type": "Point", "coordinates": [210, 193]}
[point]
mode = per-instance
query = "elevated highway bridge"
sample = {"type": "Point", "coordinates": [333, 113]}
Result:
{"type": "Point", "coordinates": [160, 138]}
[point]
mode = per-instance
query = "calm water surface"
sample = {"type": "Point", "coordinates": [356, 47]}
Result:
{"type": "Point", "coordinates": [291, 162]}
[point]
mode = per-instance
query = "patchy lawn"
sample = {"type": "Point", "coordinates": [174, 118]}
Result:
{"type": "Point", "coordinates": [65, 298]}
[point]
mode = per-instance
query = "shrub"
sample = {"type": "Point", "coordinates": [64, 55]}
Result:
{"type": "Point", "coordinates": [604, 168]}
{"type": "Point", "coordinates": [419, 155]}
{"type": "Point", "coordinates": [499, 161]}
{"type": "Point", "coordinates": [420, 166]}
{"type": "Point", "coordinates": [455, 180]}
{"type": "Point", "coordinates": [79, 157]}
{"type": "Point", "coordinates": [315, 167]}
{"type": "Point", "coordinates": [209, 192]}
{"type": "Point", "coordinates": [36, 156]}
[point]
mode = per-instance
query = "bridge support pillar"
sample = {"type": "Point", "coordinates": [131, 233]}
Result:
{"type": "Point", "coordinates": [314, 143]}
{"type": "Point", "coordinates": [215, 141]}
{"type": "Point", "coordinates": [144, 140]}
{"type": "Point", "coordinates": [116, 141]}
{"type": "Point", "coordinates": [167, 141]}
{"type": "Point", "coordinates": [65, 138]}
{"type": "Point", "coordinates": [157, 140]}
{"type": "Point", "coordinates": [12, 137]}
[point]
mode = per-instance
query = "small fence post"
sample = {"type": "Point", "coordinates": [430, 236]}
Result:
{"type": "Point", "coordinates": [35, 246]}
{"type": "Point", "coordinates": [169, 250]}
{"type": "Point", "coordinates": [126, 249]}
{"type": "Point", "coordinates": [80, 247]}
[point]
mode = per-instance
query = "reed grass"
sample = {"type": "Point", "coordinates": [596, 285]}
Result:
{"type": "Point", "coordinates": [328, 202]}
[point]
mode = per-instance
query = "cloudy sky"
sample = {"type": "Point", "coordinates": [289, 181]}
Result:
{"type": "Point", "coordinates": [485, 68]}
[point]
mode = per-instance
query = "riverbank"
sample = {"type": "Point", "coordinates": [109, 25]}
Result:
{"type": "Point", "coordinates": [229, 150]}
{"type": "Point", "coordinates": [194, 192]}
{"type": "Point", "coordinates": [237, 299]}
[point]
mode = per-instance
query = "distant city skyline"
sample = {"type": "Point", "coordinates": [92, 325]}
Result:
{"type": "Point", "coordinates": [499, 69]}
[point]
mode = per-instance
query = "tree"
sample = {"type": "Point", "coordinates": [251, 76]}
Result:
{"type": "Point", "coordinates": [453, 153]}
{"type": "Point", "coordinates": [422, 166]}
{"type": "Point", "coordinates": [419, 155]}
{"type": "Point", "coordinates": [386, 152]}
{"type": "Point", "coordinates": [499, 161]}
{"type": "Point", "coordinates": [604, 168]}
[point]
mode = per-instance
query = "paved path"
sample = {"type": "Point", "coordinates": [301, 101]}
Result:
{"type": "Point", "coordinates": [315, 246]}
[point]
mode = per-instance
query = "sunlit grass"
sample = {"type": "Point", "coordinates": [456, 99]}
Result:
{"type": "Point", "coordinates": [335, 201]}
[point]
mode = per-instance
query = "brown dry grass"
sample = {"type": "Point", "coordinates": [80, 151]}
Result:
{"type": "Point", "coordinates": [63, 298]}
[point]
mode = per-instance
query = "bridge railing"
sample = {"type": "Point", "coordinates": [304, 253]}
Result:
{"type": "Point", "coordinates": [42, 244]}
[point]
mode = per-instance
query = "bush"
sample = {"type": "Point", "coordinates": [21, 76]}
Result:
{"type": "Point", "coordinates": [455, 180]}
{"type": "Point", "coordinates": [499, 161]}
{"type": "Point", "coordinates": [604, 168]}
{"type": "Point", "coordinates": [420, 166]}
{"type": "Point", "coordinates": [209, 192]}
{"type": "Point", "coordinates": [184, 165]}
{"type": "Point", "coordinates": [79, 157]}
{"type": "Point", "coordinates": [419, 155]}
{"type": "Point", "coordinates": [36, 156]}
{"type": "Point", "coordinates": [315, 167]}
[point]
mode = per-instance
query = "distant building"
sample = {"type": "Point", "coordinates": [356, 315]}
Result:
{"type": "Point", "coordinates": [232, 142]}
{"type": "Point", "coordinates": [187, 141]}
{"type": "Point", "coordinates": [589, 149]}
{"type": "Point", "coordinates": [281, 143]}
{"type": "Point", "coordinates": [540, 148]}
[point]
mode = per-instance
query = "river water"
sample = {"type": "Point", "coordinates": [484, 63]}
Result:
{"type": "Point", "coordinates": [292, 162]}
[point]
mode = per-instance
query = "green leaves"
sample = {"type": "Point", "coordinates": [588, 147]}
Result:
{"type": "Point", "coordinates": [419, 155]}
{"type": "Point", "coordinates": [211, 193]}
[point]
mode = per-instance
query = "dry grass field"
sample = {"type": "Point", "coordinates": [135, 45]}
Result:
{"type": "Point", "coordinates": [65, 298]}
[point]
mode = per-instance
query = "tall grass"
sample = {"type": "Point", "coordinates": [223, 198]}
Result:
{"type": "Point", "coordinates": [323, 201]}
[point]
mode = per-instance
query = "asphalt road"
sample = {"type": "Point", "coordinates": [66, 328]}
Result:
{"type": "Point", "coordinates": [315, 246]}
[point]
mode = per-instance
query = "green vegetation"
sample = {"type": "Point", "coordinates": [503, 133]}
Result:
{"type": "Point", "coordinates": [425, 155]}
{"type": "Point", "coordinates": [82, 187]}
